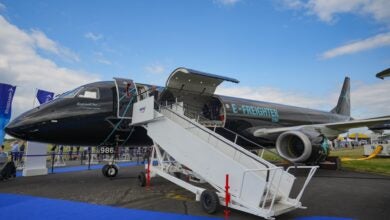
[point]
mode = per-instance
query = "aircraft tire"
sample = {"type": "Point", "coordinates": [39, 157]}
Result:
{"type": "Point", "coordinates": [209, 201]}
{"type": "Point", "coordinates": [104, 170]}
{"type": "Point", "coordinates": [142, 179]}
{"type": "Point", "coordinates": [111, 171]}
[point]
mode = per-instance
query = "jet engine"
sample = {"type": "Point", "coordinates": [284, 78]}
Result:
{"type": "Point", "coordinates": [301, 146]}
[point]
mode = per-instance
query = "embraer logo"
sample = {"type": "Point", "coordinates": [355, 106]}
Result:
{"type": "Point", "coordinates": [8, 106]}
{"type": "Point", "coordinates": [142, 109]}
{"type": "Point", "coordinates": [91, 106]}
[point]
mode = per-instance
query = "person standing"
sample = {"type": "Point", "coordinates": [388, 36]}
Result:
{"type": "Point", "coordinates": [21, 151]}
{"type": "Point", "coordinates": [78, 151]}
{"type": "Point", "coordinates": [147, 155]}
{"type": "Point", "coordinates": [3, 155]}
{"type": "Point", "coordinates": [70, 152]}
{"type": "Point", "coordinates": [206, 111]}
{"type": "Point", "coordinates": [14, 151]}
{"type": "Point", "coordinates": [153, 92]}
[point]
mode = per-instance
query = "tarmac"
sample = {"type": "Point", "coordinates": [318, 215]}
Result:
{"type": "Point", "coordinates": [330, 195]}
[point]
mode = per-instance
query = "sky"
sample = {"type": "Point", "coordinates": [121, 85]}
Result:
{"type": "Point", "coordinates": [295, 52]}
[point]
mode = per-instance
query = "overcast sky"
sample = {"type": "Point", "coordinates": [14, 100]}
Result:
{"type": "Point", "coordinates": [289, 51]}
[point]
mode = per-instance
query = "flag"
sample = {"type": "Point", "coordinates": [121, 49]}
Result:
{"type": "Point", "coordinates": [6, 96]}
{"type": "Point", "coordinates": [44, 96]}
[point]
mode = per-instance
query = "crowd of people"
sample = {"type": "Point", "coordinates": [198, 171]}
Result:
{"type": "Point", "coordinates": [71, 153]}
{"type": "Point", "coordinates": [16, 153]}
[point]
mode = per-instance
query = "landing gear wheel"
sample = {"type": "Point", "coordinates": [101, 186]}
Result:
{"type": "Point", "coordinates": [112, 171]}
{"type": "Point", "coordinates": [142, 179]}
{"type": "Point", "coordinates": [209, 201]}
{"type": "Point", "coordinates": [104, 170]}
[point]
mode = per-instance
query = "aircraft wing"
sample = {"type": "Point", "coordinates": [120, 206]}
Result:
{"type": "Point", "coordinates": [329, 128]}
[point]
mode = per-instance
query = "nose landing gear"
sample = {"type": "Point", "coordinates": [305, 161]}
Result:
{"type": "Point", "coordinates": [110, 170]}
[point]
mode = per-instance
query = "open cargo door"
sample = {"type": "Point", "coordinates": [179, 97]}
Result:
{"type": "Point", "coordinates": [126, 97]}
{"type": "Point", "coordinates": [195, 89]}
{"type": "Point", "coordinates": [183, 79]}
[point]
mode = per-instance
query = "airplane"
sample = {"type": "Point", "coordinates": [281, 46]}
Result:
{"type": "Point", "coordinates": [383, 74]}
{"type": "Point", "coordinates": [385, 126]}
{"type": "Point", "coordinates": [99, 114]}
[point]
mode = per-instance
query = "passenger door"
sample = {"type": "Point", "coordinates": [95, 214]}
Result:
{"type": "Point", "coordinates": [126, 96]}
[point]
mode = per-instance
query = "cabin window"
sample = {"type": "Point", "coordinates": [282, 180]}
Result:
{"type": "Point", "coordinates": [70, 94]}
{"type": "Point", "coordinates": [90, 93]}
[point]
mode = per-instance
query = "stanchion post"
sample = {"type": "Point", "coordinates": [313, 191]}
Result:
{"type": "Point", "coordinates": [89, 159]}
{"type": "Point", "coordinates": [148, 174]}
{"type": "Point", "coordinates": [52, 162]}
{"type": "Point", "coordinates": [227, 198]}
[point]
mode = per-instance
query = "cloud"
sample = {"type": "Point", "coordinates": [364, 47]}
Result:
{"type": "Point", "coordinates": [100, 58]}
{"type": "Point", "coordinates": [226, 2]}
{"type": "Point", "coordinates": [379, 40]}
{"type": "Point", "coordinates": [276, 95]}
{"type": "Point", "coordinates": [155, 69]}
{"type": "Point", "coordinates": [104, 61]}
{"type": "Point", "coordinates": [92, 36]}
{"type": "Point", "coordinates": [41, 41]}
{"type": "Point", "coordinates": [292, 4]}
{"type": "Point", "coordinates": [326, 10]}
{"type": "Point", "coordinates": [22, 65]}
{"type": "Point", "coordinates": [2, 7]}
{"type": "Point", "coordinates": [368, 100]}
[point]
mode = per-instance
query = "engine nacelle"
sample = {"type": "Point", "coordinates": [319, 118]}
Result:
{"type": "Point", "coordinates": [300, 147]}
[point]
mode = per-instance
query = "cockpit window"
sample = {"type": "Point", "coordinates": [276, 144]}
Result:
{"type": "Point", "coordinates": [90, 93]}
{"type": "Point", "coordinates": [70, 94]}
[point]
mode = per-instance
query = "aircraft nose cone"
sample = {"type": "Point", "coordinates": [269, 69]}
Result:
{"type": "Point", "coordinates": [26, 125]}
{"type": "Point", "coordinates": [15, 130]}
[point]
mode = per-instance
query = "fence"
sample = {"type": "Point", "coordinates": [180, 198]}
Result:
{"type": "Point", "coordinates": [88, 157]}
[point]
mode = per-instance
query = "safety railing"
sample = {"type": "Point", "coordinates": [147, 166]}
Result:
{"type": "Point", "coordinates": [262, 148]}
{"type": "Point", "coordinates": [217, 125]}
{"type": "Point", "coordinates": [308, 178]}
{"type": "Point", "coordinates": [272, 190]}
{"type": "Point", "coordinates": [210, 136]}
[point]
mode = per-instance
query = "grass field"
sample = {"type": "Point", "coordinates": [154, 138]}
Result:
{"type": "Point", "coordinates": [375, 165]}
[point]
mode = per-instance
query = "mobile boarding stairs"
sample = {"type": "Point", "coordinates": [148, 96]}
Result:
{"type": "Point", "coordinates": [240, 179]}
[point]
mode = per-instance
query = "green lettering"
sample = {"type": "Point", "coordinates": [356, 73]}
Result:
{"type": "Point", "coordinates": [234, 109]}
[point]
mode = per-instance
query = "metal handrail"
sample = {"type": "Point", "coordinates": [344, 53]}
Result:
{"type": "Point", "coordinates": [270, 183]}
{"type": "Point", "coordinates": [199, 116]}
{"type": "Point", "coordinates": [308, 178]}
{"type": "Point", "coordinates": [268, 187]}
{"type": "Point", "coordinates": [229, 144]}
{"type": "Point", "coordinates": [254, 143]}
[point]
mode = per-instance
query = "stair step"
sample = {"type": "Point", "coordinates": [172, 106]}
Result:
{"type": "Point", "coordinates": [280, 208]}
{"type": "Point", "coordinates": [269, 200]}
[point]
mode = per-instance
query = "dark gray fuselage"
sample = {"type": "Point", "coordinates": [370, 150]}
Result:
{"type": "Point", "coordinates": [88, 122]}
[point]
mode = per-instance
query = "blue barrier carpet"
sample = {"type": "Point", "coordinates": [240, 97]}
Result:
{"type": "Point", "coordinates": [322, 218]}
{"type": "Point", "coordinates": [30, 207]}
